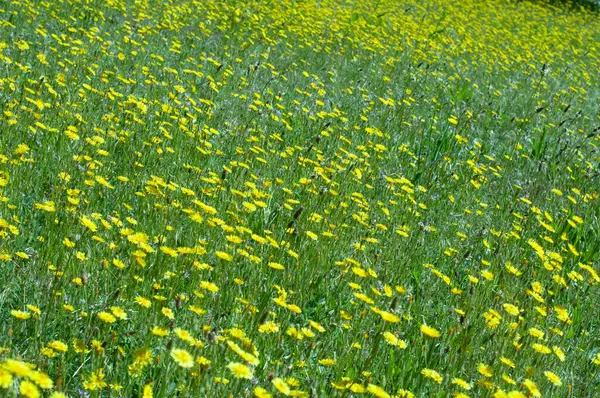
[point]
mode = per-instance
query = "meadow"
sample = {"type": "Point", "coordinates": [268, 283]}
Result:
{"type": "Point", "coordinates": [304, 198]}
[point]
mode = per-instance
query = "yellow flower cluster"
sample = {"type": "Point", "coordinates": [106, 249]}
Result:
{"type": "Point", "coordinates": [292, 198]}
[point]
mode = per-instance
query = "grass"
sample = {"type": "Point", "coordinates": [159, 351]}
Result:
{"type": "Point", "coordinates": [299, 198]}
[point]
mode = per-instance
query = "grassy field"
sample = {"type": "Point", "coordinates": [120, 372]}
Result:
{"type": "Point", "coordinates": [299, 198]}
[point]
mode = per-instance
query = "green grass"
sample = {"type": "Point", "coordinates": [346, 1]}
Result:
{"type": "Point", "coordinates": [371, 167]}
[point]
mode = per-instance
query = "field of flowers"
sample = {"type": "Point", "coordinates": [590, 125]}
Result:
{"type": "Point", "coordinates": [304, 198]}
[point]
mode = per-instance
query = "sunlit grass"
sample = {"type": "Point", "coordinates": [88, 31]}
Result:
{"type": "Point", "coordinates": [299, 198]}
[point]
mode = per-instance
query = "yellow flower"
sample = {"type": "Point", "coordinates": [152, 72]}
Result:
{"type": "Point", "coordinates": [393, 340]}
{"type": "Point", "coordinates": [542, 349]}
{"type": "Point", "coordinates": [224, 256]}
{"type": "Point", "coordinates": [147, 392]}
{"type": "Point", "coordinates": [48, 352]}
{"type": "Point", "coordinates": [250, 358]}
{"type": "Point", "coordinates": [268, 327]}
{"type": "Point", "coordinates": [239, 370]}
{"type": "Point", "coordinates": [211, 287]}
{"type": "Point", "coordinates": [327, 362]}
{"type": "Point", "coordinates": [48, 206]}
{"type": "Point", "coordinates": [378, 391]}
{"type": "Point", "coordinates": [429, 331]}
{"type": "Point", "coordinates": [485, 370]}
{"type": "Point", "coordinates": [281, 386]}
{"type": "Point", "coordinates": [168, 313]}
{"type": "Point", "coordinates": [561, 354]}
{"type": "Point", "coordinates": [512, 309]}
{"type": "Point", "coordinates": [18, 368]}
{"type": "Point", "coordinates": [184, 335]}
{"type": "Point", "coordinates": [508, 379]}
{"type": "Point", "coordinates": [160, 332]}
{"type": "Point", "coordinates": [29, 390]}
{"type": "Point", "coordinates": [58, 345]}
{"type": "Point", "coordinates": [532, 387]}
{"type": "Point", "coordinates": [95, 381]}
{"type": "Point", "coordinates": [144, 302]}
{"type": "Point", "coordinates": [203, 361]}
{"type": "Point", "coordinates": [182, 358]}
{"type": "Point", "coordinates": [492, 318]}
{"type": "Point", "coordinates": [34, 309]}
{"type": "Point", "coordinates": [508, 362]}
{"type": "Point", "coordinates": [41, 379]}
{"type": "Point", "coordinates": [553, 377]}
{"type": "Point", "coordinates": [22, 315]}
{"type": "Point", "coordinates": [107, 317]}
{"type": "Point", "coordinates": [260, 392]}
{"type": "Point", "coordinates": [461, 383]}
{"type": "Point", "coordinates": [536, 333]}
{"type": "Point", "coordinates": [276, 266]}
{"type": "Point", "coordinates": [21, 149]}
{"type": "Point", "coordinates": [312, 235]}
{"type": "Point", "coordinates": [119, 312]}
{"type": "Point", "coordinates": [86, 222]}
{"type": "Point", "coordinates": [432, 374]}
{"type": "Point", "coordinates": [6, 379]}
{"type": "Point", "coordinates": [386, 316]}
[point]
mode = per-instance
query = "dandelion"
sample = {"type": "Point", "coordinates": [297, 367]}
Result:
{"type": "Point", "coordinates": [29, 390]}
{"type": "Point", "coordinates": [224, 256]}
{"type": "Point", "coordinates": [240, 371]}
{"type": "Point", "coordinates": [553, 378]}
{"type": "Point", "coordinates": [377, 391]}
{"type": "Point", "coordinates": [22, 315]}
{"type": "Point", "coordinates": [386, 316]}
{"type": "Point", "coordinates": [6, 379]}
{"type": "Point", "coordinates": [312, 235]}
{"type": "Point", "coordinates": [512, 309]}
{"type": "Point", "coordinates": [248, 192]}
{"type": "Point", "coordinates": [42, 380]}
{"type": "Point", "coordinates": [508, 362]}
{"type": "Point", "coordinates": [95, 381]}
{"type": "Point", "coordinates": [268, 327]}
{"type": "Point", "coordinates": [118, 312]}
{"type": "Point", "coordinates": [160, 332]}
{"type": "Point", "coordinates": [48, 206]}
{"type": "Point", "coordinates": [260, 392]}
{"type": "Point", "coordinates": [107, 317]}
{"type": "Point", "coordinates": [182, 358]}
{"type": "Point", "coordinates": [281, 386]}
{"type": "Point", "coordinates": [532, 388]}
{"type": "Point", "coordinates": [461, 383]}
{"type": "Point", "coordinates": [429, 331]}
{"type": "Point", "coordinates": [485, 370]}
{"type": "Point", "coordinates": [327, 362]}
{"type": "Point", "coordinates": [393, 340]}
{"type": "Point", "coordinates": [432, 374]}
{"type": "Point", "coordinates": [58, 346]}
{"type": "Point", "coordinates": [144, 302]}
{"type": "Point", "coordinates": [147, 391]}
{"type": "Point", "coordinates": [167, 312]}
{"type": "Point", "coordinates": [18, 368]}
{"type": "Point", "coordinates": [88, 223]}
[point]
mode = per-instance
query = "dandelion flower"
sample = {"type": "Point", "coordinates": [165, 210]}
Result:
{"type": "Point", "coordinates": [432, 374]}
{"type": "Point", "coordinates": [29, 390]}
{"type": "Point", "coordinates": [239, 370]}
{"type": "Point", "coordinates": [182, 358]}
{"type": "Point", "coordinates": [430, 332]}
{"type": "Point", "coordinates": [553, 377]}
